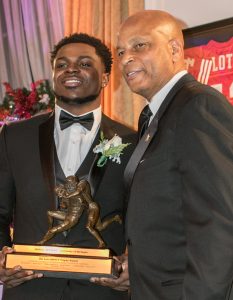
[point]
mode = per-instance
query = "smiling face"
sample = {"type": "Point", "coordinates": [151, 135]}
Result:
{"type": "Point", "coordinates": [147, 53]}
{"type": "Point", "coordinates": [78, 77]}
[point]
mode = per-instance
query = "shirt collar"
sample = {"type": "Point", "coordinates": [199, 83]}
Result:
{"type": "Point", "coordinates": [158, 98]}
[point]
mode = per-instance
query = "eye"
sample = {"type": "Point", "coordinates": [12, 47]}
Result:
{"type": "Point", "coordinates": [61, 65]}
{"type": "Point", "coordinates": [139, 46]}
{"type": "Point", "coordinates": [120, 53]}
{"type": "Point", "coordinates": [85, 64]}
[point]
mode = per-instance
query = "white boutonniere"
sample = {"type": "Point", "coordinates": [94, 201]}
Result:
{"type": "Point", "coordinates": [110, 149]}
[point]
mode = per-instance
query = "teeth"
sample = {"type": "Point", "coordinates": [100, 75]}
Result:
{"type": "Point", "coordinates": [73, 81]}
{"type": "Point", "coordinates": [131, 73]}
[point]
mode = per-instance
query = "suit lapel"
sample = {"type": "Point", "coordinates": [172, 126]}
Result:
{"type": "Point", "coordinates": [150, 133]}
{"type": "Point", "coordinates": [139, 151]}
{"type": "Point", "coordinates": [87, 168]}
{"type": "Point", "coordinates": [84, 169]}
{"type": "Point", "coordinates": [96, 173]}
{"type": "Point", "coordinates": [46, 144]}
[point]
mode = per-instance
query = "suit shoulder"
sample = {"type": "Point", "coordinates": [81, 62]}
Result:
{"type": "Point", "coordinates": [28, 123]}
{"type": "Point", "coordinates": [118, 128]}
{"type": "Point", "coordinates": [196, 94]}
{"type": "Point", "coordinates": [205, 104]}
{"type": "Point", "coordinates": [25, 128]}
{"type": "Point", "coordinates": [200, 90]}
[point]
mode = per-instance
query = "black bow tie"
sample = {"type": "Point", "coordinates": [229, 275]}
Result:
{"type": "Point", "coordinates": [67, 120]}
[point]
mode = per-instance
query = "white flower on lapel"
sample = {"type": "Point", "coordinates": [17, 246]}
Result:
{"type": "Point", "coordinates": [110, 149]}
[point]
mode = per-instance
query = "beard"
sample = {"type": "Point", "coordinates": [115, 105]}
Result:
{"type": "Point", "coordinates": [77, 100]}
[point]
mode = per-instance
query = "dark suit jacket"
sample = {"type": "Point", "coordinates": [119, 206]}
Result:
{"type": "Point", "coordinates": [27, 193]}
{"type": "Point", "coordinates": [180, 212]}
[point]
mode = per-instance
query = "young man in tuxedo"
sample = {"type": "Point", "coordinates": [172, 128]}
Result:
{"type": "Point", "coordinates": [180, 211]}
{"type": "Point", "coordinates": [38, 154]}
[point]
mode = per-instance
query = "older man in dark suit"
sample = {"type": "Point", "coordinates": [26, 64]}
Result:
{"type": "Point", "coordinates": [180, 212]}
{"type": "Point", "coordinates": [37, 154]}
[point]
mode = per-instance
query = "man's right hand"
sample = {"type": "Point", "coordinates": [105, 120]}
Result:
{"type": "Point", "coordinates": [121, 283]}
{"type": "Point", "coordinates": [15, 276]}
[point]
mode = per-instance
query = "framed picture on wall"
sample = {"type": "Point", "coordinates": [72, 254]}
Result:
{"type": "Point", "coordinates": [209, 55]}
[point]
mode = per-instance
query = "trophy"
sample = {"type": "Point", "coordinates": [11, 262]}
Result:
{"type": "Point", "coordinates": [67, 261]}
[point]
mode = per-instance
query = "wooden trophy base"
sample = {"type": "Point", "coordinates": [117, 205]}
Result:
{"type": "Point", "coordinates": [63, 261]}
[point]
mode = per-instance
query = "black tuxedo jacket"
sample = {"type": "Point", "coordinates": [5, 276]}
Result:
{"type": "Point", "coordinates": [180, 214]}
{"type": "Point", "coordinates": [27, 180]}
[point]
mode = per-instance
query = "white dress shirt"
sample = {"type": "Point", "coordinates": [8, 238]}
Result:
{"type": "Point", "coordinates": [74, 142]}
{"type": "Point", "coordinates": [158, 98]}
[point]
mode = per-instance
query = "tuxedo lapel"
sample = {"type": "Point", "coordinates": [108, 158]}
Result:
{"type": "Point", "coordinates": [96, 173]}
{"type": "Point", "coordinates": [87, 168]}
{"type": "Point", "coordinates": [46, 144]}
{"type": "Point", "coordinates": [140, 150]}
{"type": "Point", "coordinates": [84, 169]}
{"type": "Point", "coordinates": [150, 133]}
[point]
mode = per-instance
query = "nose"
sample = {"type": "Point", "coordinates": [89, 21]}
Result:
{"type": "Point", "coordinates": [126, 58]}
{"type": "Point", "coordinates": [73, 68]}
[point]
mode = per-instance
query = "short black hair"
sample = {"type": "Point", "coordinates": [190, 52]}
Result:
{"type": "Point", "coordinates": [101, 49]}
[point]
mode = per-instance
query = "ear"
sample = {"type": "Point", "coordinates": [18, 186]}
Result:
{"type": "Point", "coordinates": [176, 49]}
{"type": "Point", "coordinates": [105, 79]}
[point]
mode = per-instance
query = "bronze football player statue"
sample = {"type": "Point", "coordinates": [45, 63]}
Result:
{"type": "Point", "coordinates": [75, 197]}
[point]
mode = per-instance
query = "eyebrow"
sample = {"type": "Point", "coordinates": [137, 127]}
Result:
{"type": "Point", "coordinates": [134, 40]}
{"type": "Point", "coordinates": [80, 57]}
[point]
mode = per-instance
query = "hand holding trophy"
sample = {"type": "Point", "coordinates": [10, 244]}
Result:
{"type": "Point", "coordinates": [66, 261]}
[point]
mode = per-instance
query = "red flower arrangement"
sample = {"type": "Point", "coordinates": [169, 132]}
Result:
{"type": "Point", "coordinates": [22, 103]}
